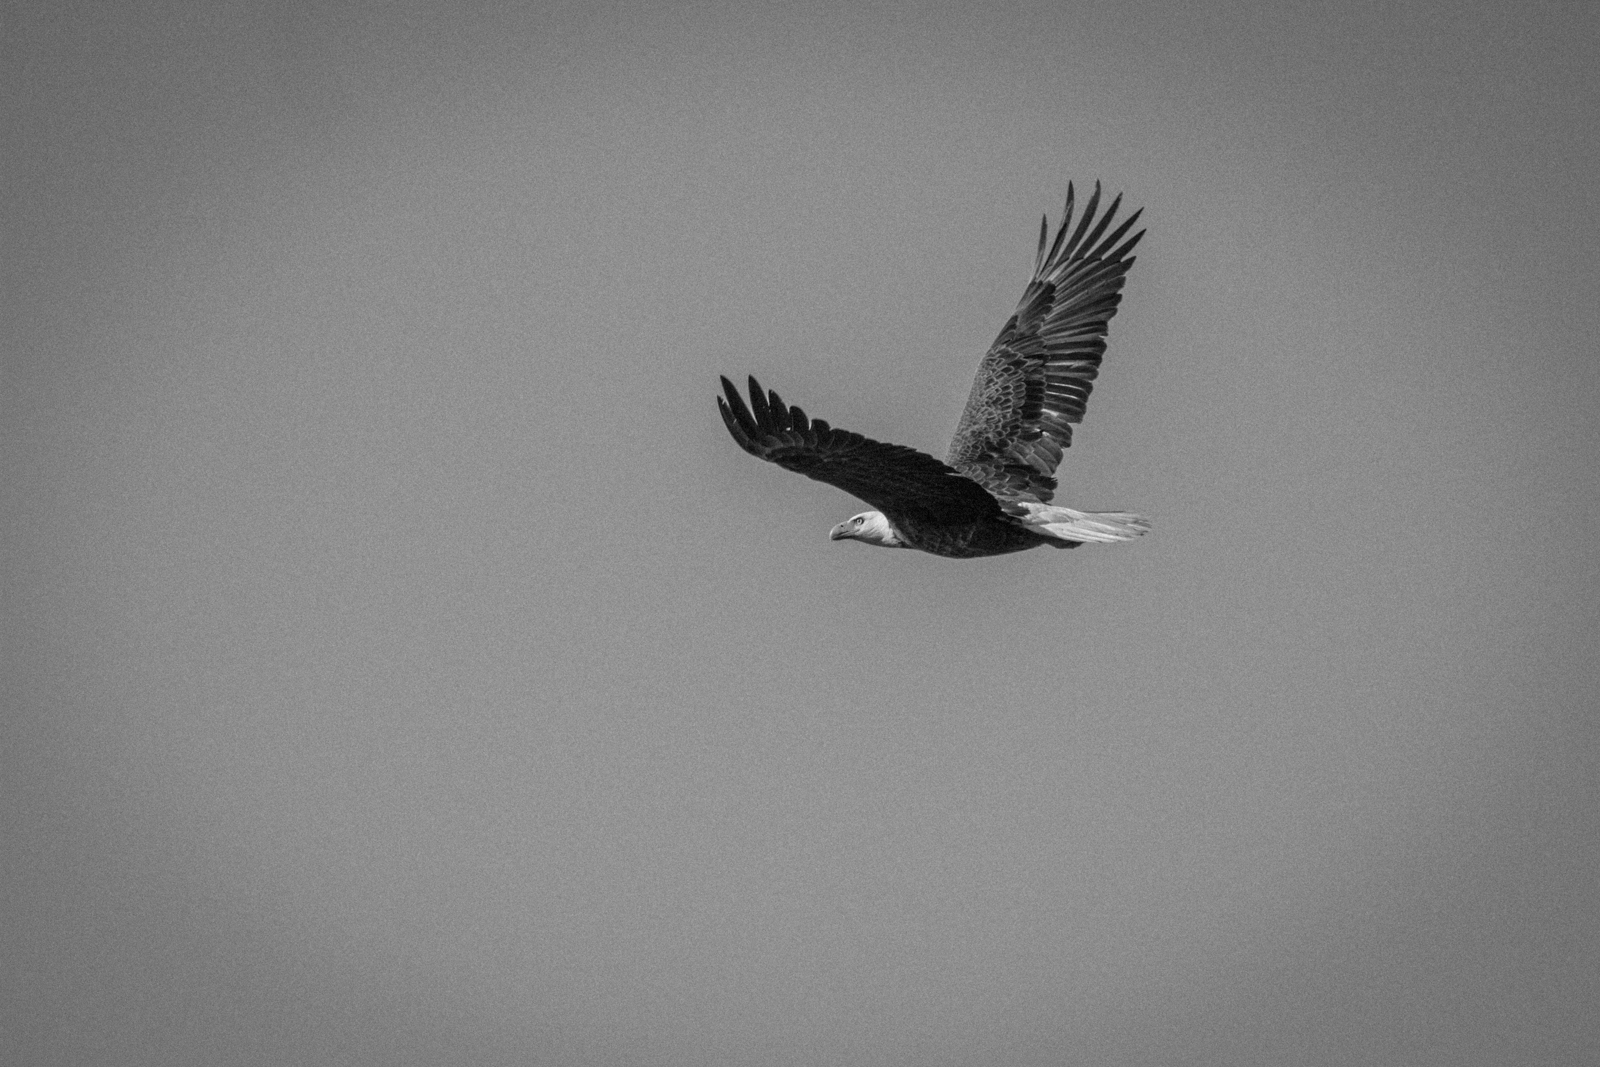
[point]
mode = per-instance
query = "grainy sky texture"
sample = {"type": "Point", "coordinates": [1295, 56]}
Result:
{"type": "Point", "coordinates": [402, 666]}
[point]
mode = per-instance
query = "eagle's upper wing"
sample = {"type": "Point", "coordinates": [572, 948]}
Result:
{"type": "Point", "coordinates": [899, 481]}
{"type": "Point", "coordinates": [1033, 383]}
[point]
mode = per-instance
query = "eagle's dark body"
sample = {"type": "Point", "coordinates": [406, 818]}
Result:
{"type": "Point", "coordinates": [985, 537]}
{"type": "Point", "coordinates": [993, 495]}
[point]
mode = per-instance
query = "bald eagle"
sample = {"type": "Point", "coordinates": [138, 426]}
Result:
{"type": "Point", "coordinates": [992, 493]}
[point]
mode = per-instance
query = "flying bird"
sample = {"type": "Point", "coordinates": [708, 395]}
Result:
{"type": "Point", "coordinates": [992, 493]}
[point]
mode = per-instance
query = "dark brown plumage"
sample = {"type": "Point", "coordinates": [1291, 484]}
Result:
{"type": "Point", "coordinates": [993, 495]}
{"type": "Point", "coordinates": [1034, 383]}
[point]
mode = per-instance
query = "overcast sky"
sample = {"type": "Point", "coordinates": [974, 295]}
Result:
{"type": "Point", "coordinates": [403, 666]}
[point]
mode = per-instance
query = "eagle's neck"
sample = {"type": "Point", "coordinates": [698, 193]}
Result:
{"type": "Point", "coordinates": [877, 530]}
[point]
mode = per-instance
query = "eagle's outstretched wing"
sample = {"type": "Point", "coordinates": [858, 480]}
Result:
{"type": "Point", "coordinates": [898, 481]}
{"type": "Point", "coordinates": [1033, 383]}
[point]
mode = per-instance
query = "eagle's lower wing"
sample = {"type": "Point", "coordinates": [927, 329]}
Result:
{"type": "Point", "coordinates": [1034, 382]}
{"type": "Point", "coordinates": [899, 481]}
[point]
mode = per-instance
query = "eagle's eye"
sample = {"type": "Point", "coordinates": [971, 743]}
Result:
{"type": "Point", "coordinates": [858, 520]}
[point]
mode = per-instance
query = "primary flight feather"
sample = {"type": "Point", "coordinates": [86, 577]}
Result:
{"type": "Point", "coordinates": [992, 495]}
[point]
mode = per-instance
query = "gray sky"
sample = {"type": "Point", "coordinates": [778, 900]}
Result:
{"type": "Point", "coordinates": [402, 666]}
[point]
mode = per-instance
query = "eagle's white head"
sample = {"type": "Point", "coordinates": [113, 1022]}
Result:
{"type": "Point", "coordinates": [869, 526]}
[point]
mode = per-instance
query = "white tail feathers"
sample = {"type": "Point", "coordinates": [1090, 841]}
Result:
{"type": "Point", "coordinates": [1103, 527]}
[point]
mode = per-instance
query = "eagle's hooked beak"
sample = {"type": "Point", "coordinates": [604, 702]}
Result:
{"type": "Point", "coordinates": [840, 532]}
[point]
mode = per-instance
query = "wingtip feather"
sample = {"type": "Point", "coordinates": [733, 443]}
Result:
{"type": "Point", "coordinates": [734, 408]}
{"type": "Point", "coordinates": [778, 411]}
{"type": "Point", "coordinates": [758, 403]}
{"type": "Point", "coordinates": [1085, 221]}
